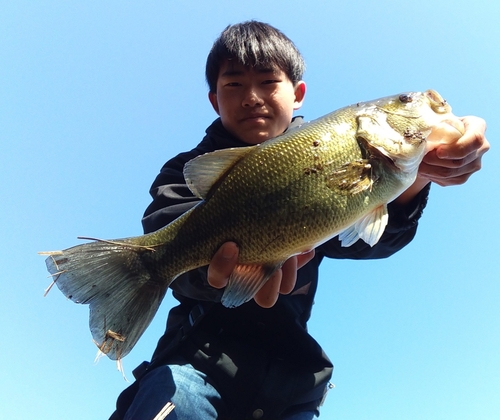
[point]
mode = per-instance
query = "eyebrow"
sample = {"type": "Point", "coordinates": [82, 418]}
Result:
{"type": "Point", "coordinates": [233, 72]}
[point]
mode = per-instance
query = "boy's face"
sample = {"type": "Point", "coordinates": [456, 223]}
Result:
{"type": "Point", "coordinates": [255, 104]}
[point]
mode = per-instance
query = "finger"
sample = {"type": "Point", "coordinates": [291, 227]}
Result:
{"type": "Point", "coordinates": [289, 275]}
{"type": "Point", "coordinates": [432, 160]}
{"type": "Point", "coordinates": [472, 143]}
{"type": "Point", "coordinates": [268, 294]}
{"type": "Point", "coordinates": [446, 176]}
{"type": "Point", "coordinates": [432, 166]}
{"type": "Point", "coordinates": [469, 148]}
{"type": "Point", "coordinates": [303, 259]}
{"type": "Point", "coordinates": [222, 265]}
{"type": "Point", "coordinates": [289, 270]}
{"type": "Point", "coordinates": [447, 131]}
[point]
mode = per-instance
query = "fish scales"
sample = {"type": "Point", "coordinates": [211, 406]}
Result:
{"type": "Point", "coordinates": [280, 192]}
{"type": "Point", "coordinates": [331, 176]}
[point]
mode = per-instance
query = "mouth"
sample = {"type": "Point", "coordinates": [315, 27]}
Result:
{"type": "Point", "coordinates": [255, 118]}
{"type": "Point", "coordinates": [437, 103]}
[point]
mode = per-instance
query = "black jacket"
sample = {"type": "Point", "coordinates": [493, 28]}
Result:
{"type": "Point", "coordinates": [257, 358]}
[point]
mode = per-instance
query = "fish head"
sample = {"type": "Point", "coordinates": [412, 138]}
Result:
{"type": "Point", "coordinates": [398, 126]}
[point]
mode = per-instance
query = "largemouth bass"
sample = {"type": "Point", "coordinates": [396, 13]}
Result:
{"type": "Point", "coordinates": [332, 176]}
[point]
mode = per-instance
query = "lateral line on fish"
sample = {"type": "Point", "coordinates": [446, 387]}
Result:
{"type": "Point", "coordinates": [122, 244]}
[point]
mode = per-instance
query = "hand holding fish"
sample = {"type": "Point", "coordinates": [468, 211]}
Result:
{"type": "Point", "coordinates": [454, 151]}
{"type": "Point", "coordinates": [454, 156]}
{"type": "Point", "coordinates": [282, 281]}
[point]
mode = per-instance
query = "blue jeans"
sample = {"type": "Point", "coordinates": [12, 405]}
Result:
{"type": "Point", "coordinates": [194, 397]}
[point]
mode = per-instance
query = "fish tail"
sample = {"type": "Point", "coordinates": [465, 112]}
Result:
{"type": "Point", "coordinates": [113, 278]}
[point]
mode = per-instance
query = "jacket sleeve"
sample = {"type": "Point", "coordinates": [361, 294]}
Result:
{"type": "Point", "coordinates": [171, 195]}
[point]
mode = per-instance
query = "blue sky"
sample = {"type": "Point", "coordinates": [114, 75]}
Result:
{"type": "Point", "coordinates": [96, 96]}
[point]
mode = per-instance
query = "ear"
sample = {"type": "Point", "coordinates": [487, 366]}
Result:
{"type": "Point", "coordinates": [300, 93]}
{"type": "Point", "coordinates": [212, 97]}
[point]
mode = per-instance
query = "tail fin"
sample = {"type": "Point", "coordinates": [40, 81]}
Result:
{"type": "Point", "coordinates": [112, 279]}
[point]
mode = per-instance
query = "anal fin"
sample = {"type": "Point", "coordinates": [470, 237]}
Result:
{"type": "Point", "coordinates": [245, 282]}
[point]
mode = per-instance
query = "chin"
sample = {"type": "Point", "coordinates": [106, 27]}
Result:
{"type": "Point", "coordinates": [254, 137]}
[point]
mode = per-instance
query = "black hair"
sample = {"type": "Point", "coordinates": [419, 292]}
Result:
{"type": "Point", "coordinates": [254, 44]}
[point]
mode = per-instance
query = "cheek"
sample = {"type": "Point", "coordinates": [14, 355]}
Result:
{"type": "Point", "coordinates": [283, 101]}
{"type": "Point", "coordinates": [225, 111]}
{"type": "Point", "coordinates": [284, 113]}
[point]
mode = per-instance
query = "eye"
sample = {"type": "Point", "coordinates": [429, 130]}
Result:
{"type": "Point", "coordinates": [404, 98]}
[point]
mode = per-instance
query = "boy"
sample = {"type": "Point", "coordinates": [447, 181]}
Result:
{"type": "Point", "coordinates": [257, 361]}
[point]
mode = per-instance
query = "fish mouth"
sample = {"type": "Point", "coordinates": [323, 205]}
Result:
{"type": "Point", "coordinates": [437, 103]}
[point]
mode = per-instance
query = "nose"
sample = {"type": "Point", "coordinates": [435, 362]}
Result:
{"type": "Point", "coordinates": [252, 98]}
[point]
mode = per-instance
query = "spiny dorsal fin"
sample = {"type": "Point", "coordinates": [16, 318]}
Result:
{"type": "Point", "coordinates": [202, 172]}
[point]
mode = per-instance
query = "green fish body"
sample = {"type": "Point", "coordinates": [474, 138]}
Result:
{"type": "Point", "coordinates": [332, 176]}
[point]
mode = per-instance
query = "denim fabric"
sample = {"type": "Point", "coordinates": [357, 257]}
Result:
{"type": "Point", "coordinates": [194, 397]}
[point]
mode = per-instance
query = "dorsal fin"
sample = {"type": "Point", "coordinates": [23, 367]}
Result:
{"type": "Point", "coordinates": [202, 172]}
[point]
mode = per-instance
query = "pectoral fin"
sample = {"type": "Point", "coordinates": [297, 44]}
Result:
{"type": "Point", "coordinates": [369, 228]}
{"type": "Point", "coordinates": [245, 282]}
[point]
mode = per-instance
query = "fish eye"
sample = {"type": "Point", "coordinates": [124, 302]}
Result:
{"type": "Point", "coordinates": [404, 98]}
